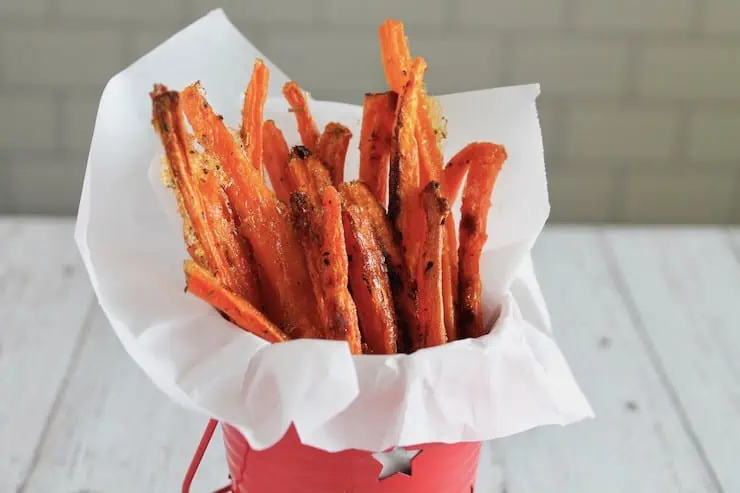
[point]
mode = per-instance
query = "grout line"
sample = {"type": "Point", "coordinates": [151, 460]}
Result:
{"type": "Point", "coordinates": [638, 323]}
{"type": "Point", "coordinates": [61, 391]}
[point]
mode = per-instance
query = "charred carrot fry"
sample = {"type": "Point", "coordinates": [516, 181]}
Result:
{"type": "Point", "coordinates": [263, 221]}
{"type": "Point", "coordinates": [395, 54]}
{"type": "Point", "coordinates": [332, 151]}
{"type": "Point", "coordinates": [307, 173]}
{"type": "Point", "coordinates": [319, 229]}
{"type": "Point", "coordinates": [254, 105]}
{"type": "Point", "coordinates": [299, 106]}
{"type": "Point", "coordinates": [450, 283]}
{"type": "Point", "coordinates": [429, 270]}
{"type": "Point", "coordinates": [403, 184]}
{"type": "Point", "coordinates": [203, 285]}
{"type": "Point", "coordinates": [203, 200]}
{"type": "Point", "coordinates": [403, 285]}
{"type": "Point", "coordinates": [476, 203]}
{"type": "Point", "coordinates": [368, 278]}
{"type": "Point", "coordinates": [375, 141]}
{"type": "Point", "coordinates": [275, 157]}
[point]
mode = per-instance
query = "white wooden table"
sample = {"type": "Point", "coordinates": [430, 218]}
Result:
{"type": "Point", "coordinates": [648, 318]}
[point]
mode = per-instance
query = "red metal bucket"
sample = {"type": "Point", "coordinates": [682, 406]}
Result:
{"type": "Point", "coordinates": [291, 467]}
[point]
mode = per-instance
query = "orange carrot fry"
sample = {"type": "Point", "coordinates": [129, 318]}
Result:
{"type": "Point", "coordinates": [263, 221]}
{"type": "Point", "coordinates": [402, 283]}
{"type": "Point", "coordinates": [333, 145]}
{"type": "Point", "coordinates": [456, 169]}
{"type": "Point", "coordinates": [375, 141]}
{"type": "Point", "coordinates": [203, 200]}
{"type": "Point", "coordinates": [368, 278]}
{"type": "Point", "coordinates": [429, 270]}
{"type": "Point", "coordinates": [319, 228]}
{"type": "Point", "coordinates": [275, 157]}
{"type": "Point", "coordinates": [476, 202]}
{"type": "Point", "coordinates": [450, 284]}
{"type": "Point", "coordinates": [254, 105]}
{"type": "Point", "coordinates": [203, 285]}
{"type": "Point", "coordinates": [403, 183]}
{"type": "Point", "coordinates": [394, 51]}
{"type": "Point", "coordinates": [299, 106]}
{"type": "Point", "coordinates": [307, 173]}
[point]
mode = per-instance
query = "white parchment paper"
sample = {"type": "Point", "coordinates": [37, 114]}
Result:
{"type": "Point", "coordinates": [129, 235]}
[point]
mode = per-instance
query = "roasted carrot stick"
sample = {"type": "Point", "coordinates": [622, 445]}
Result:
{"type": "Point", "coordinates": [429, 269]}
{"type": "Point", "coordinates": [368, 278]}
{"type": "Point", "coordinates": [403, 183]}
{"type": "Point", "coordinates": [394, 51]}
{"type": "Point", "coordinates": [307, 173]}
{"type": "Point", "coordinates": [275, 157]}
{"type": "Point", "coordinates": [476, 203]}
{"type": "Point", "coordinates": [203, 285]}
{"type": "Point", "coordinates": [378, 115]}
{"type": "Point", "coordinates": [319, 228]}
{"type": "Point", "coordinates": [450, 277]}
{"type": "Point", "coordinates": [203, 200]}
{"type": "Point", "coordinates": [400, 277]}
{"type": "Point", "coordinates": [254, 105]}
{"type": "Point", "coordinates": [333, 145]}
{"type": "Point", "coordinates": [263, 221]}
{"type": "Point", "coordinates": [299, 106]}
{"type": "Point", "coordinates": [456, 169]}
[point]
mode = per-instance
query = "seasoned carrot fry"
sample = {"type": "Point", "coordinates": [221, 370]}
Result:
{"type": "Point", "coordinates": [203, 285]}
{"type": "Point", "coordinates": [203, 200]}
{"type": "Point", "coordinates": [319, 228]}
{"type": "Point", "coordinates": [299, 106]}
{"type": "Point", "coordinates": [450, 284]}
{"type": "Point", "coordinates": [254, 105]}
{"type": "Point", "coordinates": [333, 145]}
{"type": "Point", "coordinates": [263, 221]}
{"type": "Point", "coordinates": [456, 169]}
{"type": "Point", "coordinates": [394, 52]}
{"type": "Point", "coordinates": [275, 157]}
{"type": "Point", "coordinates": [368, 278]}
{"type": "Point", "coordinates": [476, 203]}
{"type": "Point", "coordinates": [403, 183]}
{"type": "Point", "coordinates": [401, 280]}
{"type": "Point", "coordinates": [378, 115]}
{"type": "Point", "coordinates": [307, 173]}
{"type": "Point", "coordinates": [429, 270]}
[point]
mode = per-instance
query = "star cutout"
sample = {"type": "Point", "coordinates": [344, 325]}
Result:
{"type": "Point", "coordinates": [394, 461]}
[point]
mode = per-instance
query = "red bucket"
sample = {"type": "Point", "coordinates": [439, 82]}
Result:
{"type": "Point", "coordinates": [291, 467]}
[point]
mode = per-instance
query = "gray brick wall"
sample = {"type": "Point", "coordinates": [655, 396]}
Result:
{"type": "Point", "coordinates": [640, 107]}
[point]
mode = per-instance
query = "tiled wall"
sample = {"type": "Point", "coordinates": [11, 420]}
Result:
{"type": "Point", "coordinates": [640, 105]}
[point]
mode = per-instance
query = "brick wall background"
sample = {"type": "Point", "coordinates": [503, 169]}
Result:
{"type": "Point", "coordinates": [640, 106]}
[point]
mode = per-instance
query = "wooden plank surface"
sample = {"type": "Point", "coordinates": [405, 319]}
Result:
{"type": "Point", "coordinates": [637, 443]}
{"type": "Point", "coordinates": [684, 288]}
{"type": "Point", "coordinates": [115, 432]}
{"type": "Point", "coordinates": [44, 298]}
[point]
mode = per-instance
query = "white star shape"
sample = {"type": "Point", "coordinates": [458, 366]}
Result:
{"type": "Point", "coordinates": [394, 461]}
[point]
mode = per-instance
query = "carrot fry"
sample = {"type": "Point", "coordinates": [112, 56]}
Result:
{"type": "Point", "coordinates": [203, 285]}
{"type": "Point", "coordinates": [254, 105]}
{"type": "Point", "coordinates": [403, 204]}
{"type": "Point", "coordinates": [399, 274]}
{"type": "Point", "coordinates": [375, 141]}
{"type": "Point", "coordinates": [394, 52]}
{"type": "Point", "coordinates": [319, 228]}
{"type": "Point", "coordinates": [307, 174]}
{"type": "Point", "coordinates": [429, 270]}
{"type": "Point", "coordinates": [263, 221]}
{"type": "Point", "coordinates": [203, 200]}
{"type": "Point", "coordinates": [450, 283]}
{"type": "Point", "coordinates": [333, 145]}
{"type": "Point", "coordinates": [299, 106]}
{"type": "Point", "coordinates": [368, 278]}
{"type": "Point", "coordinates": [476, 203]}
{"type": "Point", "coordinates": [275, 157]}
{"type": "Point", "coordinates": [456, 169]}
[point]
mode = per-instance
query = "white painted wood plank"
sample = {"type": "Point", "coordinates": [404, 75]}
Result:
{"type": "Point", "coordinates": [114, 432]}
{"type": "Point", "coordinates": [637, 443]}
{"type": "Point", "coordinates": [685, 288]}
{"type": "Point", "coordinates": [44, 297]}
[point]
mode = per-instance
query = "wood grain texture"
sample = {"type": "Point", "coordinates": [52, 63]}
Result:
{"type": "Point", "coordinates": [115, 432]}
{"type": "Point", "coordinates": [684, 286]}
{"type": "Point", "coordinates": [637, 443]}
{"type": "Point", "coordinates": [44, 298]}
